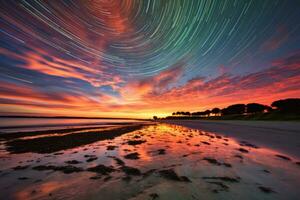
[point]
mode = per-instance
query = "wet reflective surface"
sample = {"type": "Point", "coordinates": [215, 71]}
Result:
{"type": "Point", "coordinates": [156, 162]}
{"type": "Point", "coordinates": [16, 124]}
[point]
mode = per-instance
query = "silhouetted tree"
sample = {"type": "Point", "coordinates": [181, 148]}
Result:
{"type": "Point", "coordinates": [234, 109]}
{"type": "Point", "coordinates": [178, 113]}
{"type": "Point", "coordinates": [288, 105]}
{"type": "Point", "coordinates": [216, 111]}
{"type": "Point", "coordinates": [207, 113]}
{"type": "Point", "coordinates": [256, 108]}
{"type": "Point", "coordinates": [181, 113]}
{"type": "Point", "coordinates": [155, 117]}
{"type": "Point", "coordinates": [269, 109]}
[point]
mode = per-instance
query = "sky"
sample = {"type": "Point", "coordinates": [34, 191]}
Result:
{"type": "Point", "coordinates": [139, 58]}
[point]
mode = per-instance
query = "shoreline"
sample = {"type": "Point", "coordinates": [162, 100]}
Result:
{"type": "Point", "coordinates": [281, 136]}
{"type": "Point", "coordinates": [54, 140]}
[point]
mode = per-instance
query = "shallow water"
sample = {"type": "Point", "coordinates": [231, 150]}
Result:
{"type": "Point", "coordinates": [188, 152]}
{"type": "Point", "coordinates": [10, 124]}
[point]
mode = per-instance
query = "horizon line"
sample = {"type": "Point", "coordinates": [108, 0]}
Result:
{"type": "Point", "coordinates": [67, 117]}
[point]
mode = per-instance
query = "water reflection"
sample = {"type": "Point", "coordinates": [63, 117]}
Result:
{"type": "Point", "coordinates": [11, 124]}
{"type": "Point", "coordinates": [214, 167]}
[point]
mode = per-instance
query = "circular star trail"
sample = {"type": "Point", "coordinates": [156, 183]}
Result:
{"type": "Point", "coordinates": [143, 37]}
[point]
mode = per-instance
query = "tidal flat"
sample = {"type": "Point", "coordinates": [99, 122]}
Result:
{"type": "Point", "coordinates": [142, 161]}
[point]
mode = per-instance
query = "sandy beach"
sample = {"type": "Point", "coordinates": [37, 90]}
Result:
{"type": "Point", "coordinates": [283, 136]}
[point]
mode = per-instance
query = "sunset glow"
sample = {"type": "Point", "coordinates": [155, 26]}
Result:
{"type": "Point", "coordinates": [133, 58]}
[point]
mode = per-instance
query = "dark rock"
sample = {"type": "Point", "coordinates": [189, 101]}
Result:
{"type": "Point", "coordinates": [89, 156]}
{"type": "Point", "coordinates": [101, 169]}
{"type": "Point", "coordinates": [20, 167]}
{"type": "Point", "coordinates": [131, 171]}
{"type": "Point", "coordinates": [171, 175]}
{"type": "Point", "coordinates": [223, 178]}
{"type": "Point", "coordinates": [73, 162]}
{"type": "Point", "coordinates": [132, 156]}
{"type": "Point", "coordinates": [118, 160]}
{"type": "Point", "coordinates": [185, 179]}
{"type": "Point", "coordinates": [207, 143]}
{"type": "Point", "coordinates": [266, 189]}
{"type": "Point", "coordinates": [243, 150]}
{"type": "Point", "coordinates": [154, 196]}
{"type": "Point", "coordinates": [65, 169]}
{"type": "Point", "coordinates": [110, 147]}
{"type": "Point", "coordinates": [215, 162]}
{"type": "Point", "coordinates": [283, 157]}
{"type": "Point", "coordinates": [222, 186]}
{"type": "Point", "coordinates": [244, 143]}
{"type": "Point", "coordinates": [59, 153]}
{"type": "Point", "coordinates": [161, 151]}
{"type": "Point", "coordinates": [227, 164]}
{"type": "Point", "coordinates": [239, 156]}
{"type": "Point", "coordinates": [91, 159]}
{"type": "Point", "coordinates": [135, 142]}
{"type": "Point", "coordinates": [212, 161]}
{"type": "Point", "coordinates": [96, 177]}
{"type": "Point", "coordinates": [23, 178]}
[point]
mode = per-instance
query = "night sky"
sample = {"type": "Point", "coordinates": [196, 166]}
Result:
{"type": "Point", "coordinates": [137, 58]}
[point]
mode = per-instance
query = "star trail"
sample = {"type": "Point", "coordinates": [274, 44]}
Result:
{"type": "Point", "coordinates": [133, 58]}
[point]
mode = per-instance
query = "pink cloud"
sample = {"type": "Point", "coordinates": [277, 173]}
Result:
{"type": "Point", "coordinates": [281, 80]}
{"type": "Point", "coordinates": [160, 95]}
{"type": "Point", "coordinates": [135, 90]}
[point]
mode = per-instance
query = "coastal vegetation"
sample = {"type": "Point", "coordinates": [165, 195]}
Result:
{"type": "Point", "coordinates": [285, 109]}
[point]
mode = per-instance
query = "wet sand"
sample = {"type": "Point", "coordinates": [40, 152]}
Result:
{"type": "Point", "coordinates": [278, 135]}
{"type": "Point", "coordinates": [65, 140]}
{"type": "Point", "coordinates": [152, 161]}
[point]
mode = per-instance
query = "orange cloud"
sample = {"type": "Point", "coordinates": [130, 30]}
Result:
{"type": "Point", "coordinates": [95, 74]}
{"type": "Point", "coordinates": [134, 91]}
{"type": "Point", "coordinates": [159, 95]}
{"type": "Point", "coordinates": [281, 80]}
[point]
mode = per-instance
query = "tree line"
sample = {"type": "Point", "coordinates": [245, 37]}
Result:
{"type": "Point", "coordinates": [287, 106]}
